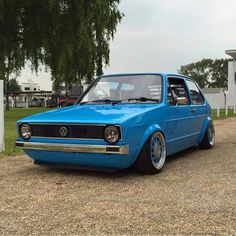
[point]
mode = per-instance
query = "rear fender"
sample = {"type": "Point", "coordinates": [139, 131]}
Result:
{"type": "Point", "coordinates": [204, 128]}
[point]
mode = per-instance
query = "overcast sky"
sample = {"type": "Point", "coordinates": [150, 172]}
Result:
{"type": "Point", "coordinates": [158, 35]}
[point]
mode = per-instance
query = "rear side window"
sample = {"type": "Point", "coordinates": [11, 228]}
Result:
{"type": "Point", "coordinates": [195, 93]}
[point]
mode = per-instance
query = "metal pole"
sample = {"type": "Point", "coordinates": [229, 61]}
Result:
{"type": "Point", "coordinates": [45, 100]}
{"type": "Point", "coordinates": [234, 98]}
{"type": "Point", "coordinates": [226, 105]}
{"type": "Point", "coordinates": [26, 101]}
{"type": "Point", "coordinates": [218, 107]}
{"type": "Point", "coordinates": [2, 146]}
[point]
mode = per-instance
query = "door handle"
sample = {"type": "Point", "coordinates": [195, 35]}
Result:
{"type": "Point", "coordinates": [192, 109]}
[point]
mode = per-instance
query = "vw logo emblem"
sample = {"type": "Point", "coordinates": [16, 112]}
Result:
{"type": "Point", "coordinates": [63, 131]}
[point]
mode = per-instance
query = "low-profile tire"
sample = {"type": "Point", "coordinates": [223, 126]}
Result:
{"type": "Point", "coordinates": [209, 137]}
{"type": "Point", "coordinates": [153, 155]}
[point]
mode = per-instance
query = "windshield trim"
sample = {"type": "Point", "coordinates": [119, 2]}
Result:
{"type": "Point", "coordinates": [120, 75]}
{"type": "Point", "coordinates": [87, 89]}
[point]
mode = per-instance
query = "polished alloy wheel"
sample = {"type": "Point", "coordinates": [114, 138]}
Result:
{"type": "Point", "coordinates": [211, 134]}
{"type": "Point", "coordinates": [158, 150]}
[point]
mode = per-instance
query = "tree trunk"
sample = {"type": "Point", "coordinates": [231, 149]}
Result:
{"type": "Point", "coordinates": [15, 101]}
{"type": "Point", "coordinates": [66, 95]}
{"type": "Point", "coordinates": [7, 91]}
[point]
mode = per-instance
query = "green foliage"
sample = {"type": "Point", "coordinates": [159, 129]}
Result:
{"type": "Point", "coordinates": [11, 56]}
{"type": "Point", "coordinates": [70, 37]}
{"type": "Point", "coordinates": [14, 86]}
{"type": "Point", "coordinates": [219, 72]}
{"type": "Point", "coordinates": [208, 72]}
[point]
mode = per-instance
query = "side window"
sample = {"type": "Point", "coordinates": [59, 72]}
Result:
{"type": "Point", "coordinates": [177, 89]}
{"type": "Point", "coordinates": [170, 97]}
{"type": "Point", "coordinates": [195, 93]}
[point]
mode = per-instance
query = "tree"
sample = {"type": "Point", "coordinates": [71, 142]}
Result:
{"type": "Point", "coordinates": [198, 71]}
{"type": "Point", "coordinates": [208, 72]}
{"type": "Point", "coordinates": [14, 89]}
{"type": "Point", "coordinates": [14, 86]}
{"type": "Point", "coordinates": [70, 37]}
{"type": "Point", "coordinates": [11, 57]}
{"type": "Point", "coordinates": [219, 71]}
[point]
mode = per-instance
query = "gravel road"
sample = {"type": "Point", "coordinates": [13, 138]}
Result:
{"type": "Point", "coordinates": [195, 194]}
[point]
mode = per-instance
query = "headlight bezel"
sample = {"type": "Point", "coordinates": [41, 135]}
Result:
{"type": "Point", "coordinates": [27, 131]}
{"type": "Point", "coordinates": [107, 132]}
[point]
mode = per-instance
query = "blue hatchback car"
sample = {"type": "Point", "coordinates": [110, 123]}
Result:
{"type": "Point", "coordinates": [120, 121]}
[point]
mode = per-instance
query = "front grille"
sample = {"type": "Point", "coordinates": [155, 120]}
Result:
{"type": "Point", "coordinates": [73, 131]}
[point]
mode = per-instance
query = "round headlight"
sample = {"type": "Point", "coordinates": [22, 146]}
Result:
{"type": "Point", "coordinates": [25, 131]}
{"type": "Point", "coordinates": [111, 134]}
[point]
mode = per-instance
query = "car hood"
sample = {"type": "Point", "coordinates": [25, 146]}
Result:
{"type": "Point", "coordinates": [89, 114]}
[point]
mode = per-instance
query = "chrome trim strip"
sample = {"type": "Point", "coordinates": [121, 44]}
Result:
{"type": "Point", "coordinates": [60, 147]}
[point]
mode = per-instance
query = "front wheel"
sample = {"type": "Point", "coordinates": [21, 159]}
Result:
{"type": "Point", "coordinates": [153, 155]}
{"type": "Point", "coordinates": [209, 137]}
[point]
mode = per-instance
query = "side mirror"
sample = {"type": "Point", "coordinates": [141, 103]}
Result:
{"type": "Point", "coordinates": [181, 101]}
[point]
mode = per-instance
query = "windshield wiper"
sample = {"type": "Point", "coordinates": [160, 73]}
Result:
{"type": "Point", "coordinates": [113, 102]}
{"type": "Point", "coordinates": [141, 99]}
{"type": "Point", "coordinates": [101, 100]}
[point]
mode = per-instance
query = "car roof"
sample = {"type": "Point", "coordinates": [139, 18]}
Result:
{"type": "Point", "coordinates": [164, 74]}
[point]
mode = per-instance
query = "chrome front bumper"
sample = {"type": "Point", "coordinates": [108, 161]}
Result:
{"type": "Point", "coordinates": [80, 148]}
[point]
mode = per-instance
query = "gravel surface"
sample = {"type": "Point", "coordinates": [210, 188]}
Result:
{"type": "Point", "coordinates": [195, 194]}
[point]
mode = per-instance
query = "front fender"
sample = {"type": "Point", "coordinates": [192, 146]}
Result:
{"type": "Point", "coordinates": [145, 135]}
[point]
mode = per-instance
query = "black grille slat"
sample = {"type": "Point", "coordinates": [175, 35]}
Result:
{"type": "Point", "coordinates": [74, 131]}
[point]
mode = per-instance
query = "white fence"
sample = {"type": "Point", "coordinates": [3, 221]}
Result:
{"type": "Point", "coordinates": [1, 117]}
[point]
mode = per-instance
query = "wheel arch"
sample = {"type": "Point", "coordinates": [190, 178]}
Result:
{"type": "Point", "coordinates": [204, 128]}
{"type": "Point", "coordinates": [147, 134]}
{"type": "Point", "coordinates": [143, 161]}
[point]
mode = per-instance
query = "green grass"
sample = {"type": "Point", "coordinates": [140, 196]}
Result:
{"type": "Point", "coordinates": [222, 114]}
{"type": "Point", "coordinates": [15, 114]}
{"type": "Point", "coordinates": [10, 127]}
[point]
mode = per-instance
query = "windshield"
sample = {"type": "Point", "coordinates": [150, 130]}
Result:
{"type": "Point", "coordinates": [124, 89]}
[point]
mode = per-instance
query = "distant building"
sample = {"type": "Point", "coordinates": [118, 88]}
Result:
{"type": "Point", "coordinates": [30, 95]}
{"type": "Point", "coordinates": [215, 96]}
{"type": "Point", "coordinates": [29, 86]}
{"type": "Point", "coordinates": [26, 96]}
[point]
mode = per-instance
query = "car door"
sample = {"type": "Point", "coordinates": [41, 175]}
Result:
{"type": "Point", "coordinates": [178, 124]}
{"type": "Point", "coordinates": [197, 107]}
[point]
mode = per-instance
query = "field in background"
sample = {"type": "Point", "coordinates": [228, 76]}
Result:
{"type": "Point", "coordinates": [222, 114]}
{"type": "Point", "coordinates": [15, 114]}
{"type": "Point", "coordinates": [10, 127]}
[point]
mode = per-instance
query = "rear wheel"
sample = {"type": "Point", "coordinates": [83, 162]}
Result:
{"type": "Point", "coordinates": [153, 155]}
{"type": "Point", "coordinates": [209, 137]}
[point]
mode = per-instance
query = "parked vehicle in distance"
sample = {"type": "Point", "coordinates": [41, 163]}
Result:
{"type": "Point", "coordinates": [51, 103]}
{"type": "Point", "coordinates": [37, 102]}
{"type": "Point", "coordinates": [67, 101]}
{"type": "Point", "coordinates": [120, 121]}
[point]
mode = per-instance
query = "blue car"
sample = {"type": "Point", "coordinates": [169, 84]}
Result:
{"type": "Point", "coordinates": [121, 121]}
